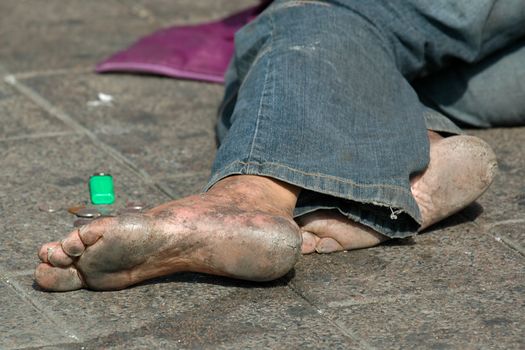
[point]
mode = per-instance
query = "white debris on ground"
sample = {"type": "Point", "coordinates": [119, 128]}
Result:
{"type": "Point", "coordinates": [103, 100]}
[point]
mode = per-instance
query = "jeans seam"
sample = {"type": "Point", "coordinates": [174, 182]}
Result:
{"type": "Point", "coordinates": [264, 89]}
{"type": "Point", "coordinates": [335, 178]}
{"type": "Point", "coordinates": [398, 199]}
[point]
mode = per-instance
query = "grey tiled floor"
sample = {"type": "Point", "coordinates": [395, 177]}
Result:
{"type": "Point", "coordinates": [461, 285]}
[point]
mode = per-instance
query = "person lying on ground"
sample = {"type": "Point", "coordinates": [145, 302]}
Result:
{"type": "Point", "coordinates": [338, 131]}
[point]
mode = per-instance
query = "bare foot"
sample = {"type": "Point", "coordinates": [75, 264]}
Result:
{"type": "Point", "coordinates": [461, 168]}
{"type": "Point", "coordinates": [241, 228]}
{"type": "Point", "coordinates": [326, 231]}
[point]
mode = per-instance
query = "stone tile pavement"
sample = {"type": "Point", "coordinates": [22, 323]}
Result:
{"type": "Point", "coordinates": [459, 286]}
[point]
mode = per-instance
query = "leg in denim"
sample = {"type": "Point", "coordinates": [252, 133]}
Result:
{"type": "Point", "coordinates": [319, 96]}
{"type": "Point", "coordinates": [488, 94]}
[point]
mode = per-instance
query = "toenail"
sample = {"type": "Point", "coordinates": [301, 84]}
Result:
{"type": "Point", "coordinates": [73, 250]}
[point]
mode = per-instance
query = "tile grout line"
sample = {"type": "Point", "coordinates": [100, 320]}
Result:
{"type": "Point", "coordinates": [76, 126]}
{"type": "Point", "coordinates": [24, 75]}
{"type": "Point", "coordinates": [49, 72]}
{"type": "Point", "coordinates": [396, 297]}
{"type": "Point", "coordinates": [141, 12]}
{"type": "Point", "coordinates": [3, 71]}
{"type": "Point", "coordinates": [58, 345]}
{"type": "Point", "coordinates": [17, 273]}
{"type": "Point", "coordinates": [507, 242]}
{"type": "Point", "coordinates": [56, 319]}
{"type": "Point", "coordinates": [39, 136]}
{"type": "Point", "coordinates": [505, 222]}
{"type": "Point", "coordinates": [20, 292]}
{"type": "Point", "coordinates": [511, 244]}
{"type": "Point", "coordinates": [350, 335]}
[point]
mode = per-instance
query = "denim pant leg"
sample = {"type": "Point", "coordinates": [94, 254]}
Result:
{"type": "Point", "coordinates": [487, 94]}
{"type": "Point", "coordinates": [318, 95]}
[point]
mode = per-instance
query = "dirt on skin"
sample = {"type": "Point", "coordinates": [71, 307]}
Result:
{"type": "Point", "coordinates": [217, 233]}
{"type": "Point", "coordinates": [243, 228]}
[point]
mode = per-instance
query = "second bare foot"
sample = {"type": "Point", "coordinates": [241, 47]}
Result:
{"type": "Point", "coordinates": [461, 168]}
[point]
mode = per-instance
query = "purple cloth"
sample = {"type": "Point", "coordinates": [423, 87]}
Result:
{"type": "Point", "coordinates": [197, 52]}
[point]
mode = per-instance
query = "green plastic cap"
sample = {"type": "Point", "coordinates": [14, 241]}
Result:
{"type": "Point", "coordinates": [101, 189]}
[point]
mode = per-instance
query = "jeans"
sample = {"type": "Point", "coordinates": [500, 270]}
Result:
{"type": "Point", "coordinates": [336, 97]}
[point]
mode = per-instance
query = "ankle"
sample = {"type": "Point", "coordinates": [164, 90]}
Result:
{"type": "Point", "coordinates": [434, 136]}
{"type": "Point", "coordinates": [259, 192]}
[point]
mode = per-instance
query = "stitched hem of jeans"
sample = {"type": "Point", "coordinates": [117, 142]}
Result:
{"type": "Point", "coordinates": [397, 199]}
{"type": "Point", "coordinates": [402, 228]}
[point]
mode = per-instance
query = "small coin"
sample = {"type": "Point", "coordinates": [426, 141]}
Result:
{"type": "Point", "coordinates": [106, 216]}
{"type": "Point", "coordinates": [81, 222]}
{"type": "Point", "coordinates": [76, 208]}
{"type": "Point", "coordinates": [102, 217]}
{"type": "Point", "coordinates": [135, 205]}
{"type": "Point", "coordinates": [48, 208]}
{"type": "Point", "coordinates": [105, 210]}
{"type": "Point", "coordinates": [88, 213]}
{"type": "Point", "coordinates": [128, 211]}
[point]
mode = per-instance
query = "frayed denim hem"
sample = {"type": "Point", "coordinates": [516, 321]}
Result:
{"type": "Point", "coordinates": [388, 209]}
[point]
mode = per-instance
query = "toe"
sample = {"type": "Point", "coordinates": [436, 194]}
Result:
{"type": "Point", "coordinates": [57, 279]}
{"type": "Point", "coordinates": [91, 233]}
{"type": "Point", "coordinates": [328, 245]}
{"type": "Point", "coordinates": [309, 242]}
{"type": "Point", "coordinates": [461, 168]}
{"type": "Point", "coordinates": [72, 244]}
{"type": "Point", "coordinates": [42, 253]}
{"type": "Point", "coordinates": [57, 257]}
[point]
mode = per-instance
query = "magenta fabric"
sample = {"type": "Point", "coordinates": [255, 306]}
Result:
{"type": "Point", "coordinates": [197, 52]}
